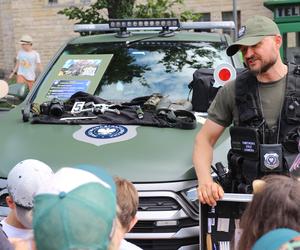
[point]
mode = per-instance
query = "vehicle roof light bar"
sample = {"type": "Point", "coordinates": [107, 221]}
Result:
{"type": "Point", "coordinates": [207, 25]}
{"type": "Point", "coordinates": [124, 24]}
{"type": "Point", "coordinates": [91, 27]}
{"type": "Point", "coordinates": [151, 24]}
{"type": "Point", "coordinates": [130, 24]}
{"type": "Point", "coordinates": [144, 23]}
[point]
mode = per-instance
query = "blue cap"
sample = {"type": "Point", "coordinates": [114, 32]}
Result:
{"type": "Point", "coordinates": [274, 239]}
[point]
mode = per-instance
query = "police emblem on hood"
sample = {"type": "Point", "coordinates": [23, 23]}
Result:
{"type": "Point", "coordinates": [105, 133]}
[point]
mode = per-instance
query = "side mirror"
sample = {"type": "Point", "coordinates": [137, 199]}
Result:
{"type": "Point", "coordinates": [13, 94]}
{"type": "Point", "coordinates": [18, 91]}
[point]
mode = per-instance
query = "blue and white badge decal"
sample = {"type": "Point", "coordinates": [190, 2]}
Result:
{"type": "Point", "coordinates": [105, 133]}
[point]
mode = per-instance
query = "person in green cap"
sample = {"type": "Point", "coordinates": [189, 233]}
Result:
{"type": "Point", "coordinates": [263, 105]}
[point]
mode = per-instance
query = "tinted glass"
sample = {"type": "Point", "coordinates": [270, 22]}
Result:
{"type": "Point", "coordinates": [144, 68]}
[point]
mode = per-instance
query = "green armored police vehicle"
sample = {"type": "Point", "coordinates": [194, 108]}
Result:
{"type": "Point", "coordinates": [122, 100]}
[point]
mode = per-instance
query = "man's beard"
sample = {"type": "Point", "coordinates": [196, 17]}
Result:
{"type": "Point", "coordinates": [264, 67]}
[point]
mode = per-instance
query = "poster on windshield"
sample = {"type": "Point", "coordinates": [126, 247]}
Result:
{"type": "Point", "coordinates": [64, 89]}
{"type": "Point", "coordinates": [73, 73]}
{"type": "Point", "coordinates": [80, 67]}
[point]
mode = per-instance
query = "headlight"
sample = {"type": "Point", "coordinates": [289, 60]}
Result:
{"type": "Point", "coordinates": [191, 195]}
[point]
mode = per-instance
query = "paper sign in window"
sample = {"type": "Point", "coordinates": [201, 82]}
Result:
{"type": "Point", "coordinates": [80, 67]}
{"type": "Point", "coordinates": [64, 89]}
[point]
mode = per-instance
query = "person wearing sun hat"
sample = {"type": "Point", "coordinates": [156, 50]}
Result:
{"type": "Point", "coordinates": [28, 62]}
{"type": "Point", "coordinates": [258, 99]}
{"type": "Point", "coordinates": [75, 209]}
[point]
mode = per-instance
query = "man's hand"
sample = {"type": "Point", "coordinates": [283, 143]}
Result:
{"type": "Point", "coordinates": [210, 192]}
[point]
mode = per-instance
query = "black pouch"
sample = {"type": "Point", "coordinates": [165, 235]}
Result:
{"type": "Point", "coordinates": [291, 140]}
{"type": "Point", "coordinates": [293, 109]}
{"type": "Point", "coordinates": [203, 90]}
{"type": "Point", "coordinates": [245, 141]}
{"type": "Point", "coordinates": [271, 160]}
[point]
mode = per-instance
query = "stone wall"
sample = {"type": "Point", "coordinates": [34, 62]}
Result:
{"type": "Point", "coordinates": [7, 40]}
{"type": "Point", "coordinates": [36, 18]}
{"type": "Point", "coordinates": [50, 31]}
{"type": "Point", "coordinates": [215, 7]}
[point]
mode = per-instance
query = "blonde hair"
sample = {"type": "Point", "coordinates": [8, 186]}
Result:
{"type": "Point", "coordinates": [128, 201]}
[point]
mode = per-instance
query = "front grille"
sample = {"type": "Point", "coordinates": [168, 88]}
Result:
{"type": "Point", "coordinates": [150, 226]}
{"type": "Point", "coordinates": [171, 244]}
{"type": "Point", "coordinates": [158, 204]}
{"type": "Point", "coordinates": [166, 218]}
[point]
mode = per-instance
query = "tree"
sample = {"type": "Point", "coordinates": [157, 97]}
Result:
{"type": "Point", "coordinates": [94, 13]}
{"type": "Point", "coordinates": [120, 8]}
{"type": "Point", "coordinates": [163, 8]}
{"type": "Point", "coordinates": [126, 9]}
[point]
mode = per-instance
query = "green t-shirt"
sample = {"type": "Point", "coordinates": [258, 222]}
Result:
{"type": "Point", "coordinates": [223, 109]}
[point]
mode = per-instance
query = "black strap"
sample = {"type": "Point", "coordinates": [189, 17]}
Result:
{"type": "Point", "coordinates": [182, 119]}
{"type": "Point", "coordinates": [246, 101]}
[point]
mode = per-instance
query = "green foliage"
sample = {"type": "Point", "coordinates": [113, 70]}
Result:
{"type": "Point", "coordinates": [156, 9]}
{"type": "Point", "coordinates": [189, 16]}
{"type": "Point", "coordinates": [125, 9]}
{"type": "Point", "coordinates": [86, 15]}
{"type": "Point", "coordinates": [94, 13]}
{"type": "Point", "coordinates": [163, 9]}
{"type": "Point", "coordinates": [120, 8]}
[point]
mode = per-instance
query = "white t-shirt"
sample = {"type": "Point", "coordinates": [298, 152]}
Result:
{"type": "Point", "coordinates": [27, 63]}
{"type": "Point", "coordinates": [125, 245]}
{"type": "Point", "coordinates": [14, 232]}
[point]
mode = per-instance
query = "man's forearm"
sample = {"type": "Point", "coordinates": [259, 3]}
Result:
{"type": "Point", "coordinates": [202, 158]}
{"type": "Point", "coordinates": [209, 192]}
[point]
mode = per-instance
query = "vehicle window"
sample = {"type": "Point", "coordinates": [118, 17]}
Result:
{"type": "Point", "coordinates": [148, 67]}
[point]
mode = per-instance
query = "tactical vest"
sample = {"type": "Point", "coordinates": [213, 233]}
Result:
{"type": "Point", "coordinates": [250, 129]}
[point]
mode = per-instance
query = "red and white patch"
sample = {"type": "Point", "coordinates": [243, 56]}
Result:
{"type": "Point", "coordinates": [224, 73]}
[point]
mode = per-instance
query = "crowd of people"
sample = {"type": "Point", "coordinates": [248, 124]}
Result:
{"type": "Point", "coordinates": [75, 208]}
{"type": "Point", "coordinates": [85, 208]}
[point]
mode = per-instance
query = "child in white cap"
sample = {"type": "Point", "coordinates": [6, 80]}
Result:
{"type": "Point", "coordinates": [28, 61]}
{"type": "Point", "coordinates": [22, 183]}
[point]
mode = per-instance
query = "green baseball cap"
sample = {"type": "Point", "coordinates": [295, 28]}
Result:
{"type": "Point", "coordinates": [75, 209]}
{"type": "Point", "coordinates": [255, 29]}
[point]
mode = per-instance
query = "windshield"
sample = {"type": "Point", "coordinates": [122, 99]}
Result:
{"type": "Point", "coordinates": [148, 67]}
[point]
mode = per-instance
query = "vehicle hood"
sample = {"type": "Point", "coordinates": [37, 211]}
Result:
{"type": "Point", "coordinates": [142, 154]}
